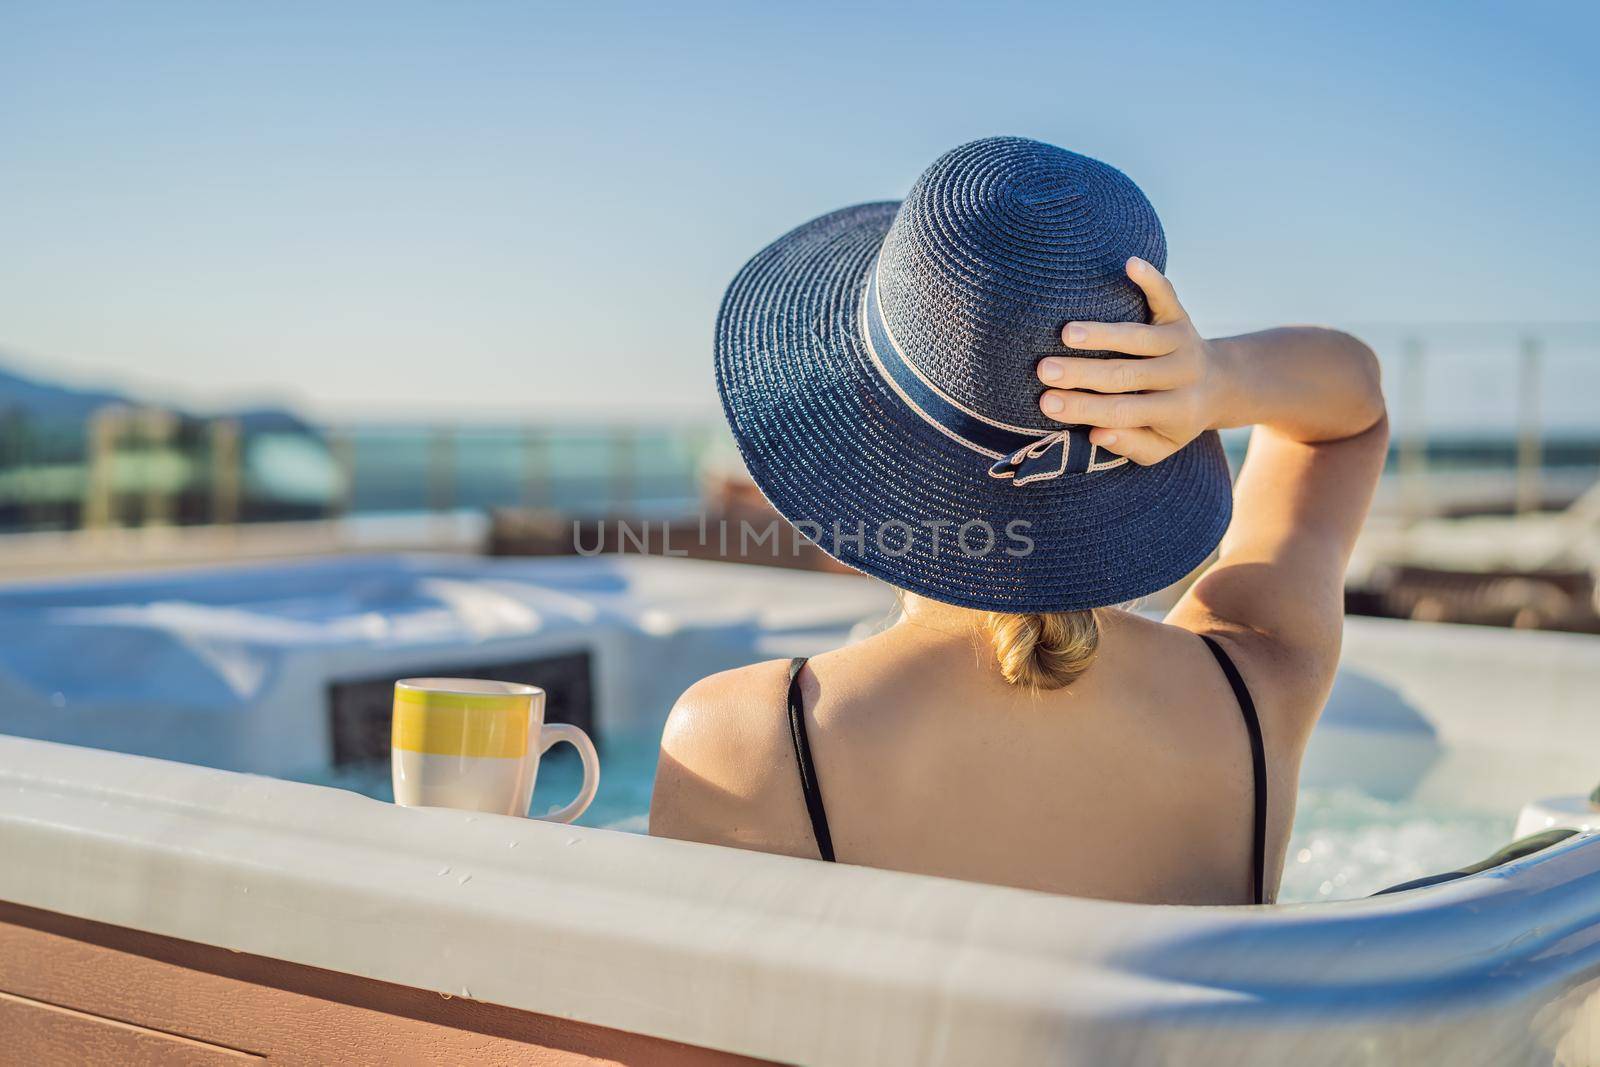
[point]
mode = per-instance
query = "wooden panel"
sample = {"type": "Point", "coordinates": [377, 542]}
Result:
{"type": "Point", "coordinates": [44, 1035]}
{"type": "Point", "coordinates": [96, 993]}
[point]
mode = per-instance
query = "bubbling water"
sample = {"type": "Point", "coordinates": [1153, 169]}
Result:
{"type": "Point", "coordinates": [1349, 844]}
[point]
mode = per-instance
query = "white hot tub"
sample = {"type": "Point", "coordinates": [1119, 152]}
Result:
{"type": "Point", "coordinates": [1433, 740]}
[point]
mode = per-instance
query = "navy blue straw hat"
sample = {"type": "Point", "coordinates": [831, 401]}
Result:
{"type": "Point", "coordinates": [877, 367]}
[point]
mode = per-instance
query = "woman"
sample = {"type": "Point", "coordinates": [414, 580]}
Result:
{"type": "Point", "coordinates": [990, 397]}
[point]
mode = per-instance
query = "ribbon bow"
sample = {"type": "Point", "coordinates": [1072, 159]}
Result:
{"type": "Point", "coordinates": [1040, 460]}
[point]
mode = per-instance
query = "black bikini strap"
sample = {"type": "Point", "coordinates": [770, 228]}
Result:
{"type": "Point", "coordinates": [1258, 761]}
{"type": "Point", "coordinates": [802, 757]}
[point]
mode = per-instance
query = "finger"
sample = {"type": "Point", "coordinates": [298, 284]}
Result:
{"type": "Point", "coordinates": [1163, 298]}
{"type": "Point", "coordinates": [1110, 375]}
{"type": "Point", "coordinates": [1140, 444]}
{"type": "Point", "coordinates": [1132, 338]}
{"type": "Point", "coordinates": [1092, 409]}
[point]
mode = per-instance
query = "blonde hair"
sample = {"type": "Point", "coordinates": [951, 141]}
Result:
{"type": "Point", "coordinates": [1047, 651]}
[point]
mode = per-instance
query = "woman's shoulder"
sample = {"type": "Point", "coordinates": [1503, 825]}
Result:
{"type": "Point", "coordinates": [726, 773]}
{"type": "Point", "coordinates": [1288, 681]}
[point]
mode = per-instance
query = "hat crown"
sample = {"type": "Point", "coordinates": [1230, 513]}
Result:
{"type": "Point", "coordinates": [1001, 243]}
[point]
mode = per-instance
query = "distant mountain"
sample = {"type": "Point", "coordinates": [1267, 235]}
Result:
{"type": "Point", "coordinates": [45, 402]}
{"type": "Point", "coordinates": [51, 403]}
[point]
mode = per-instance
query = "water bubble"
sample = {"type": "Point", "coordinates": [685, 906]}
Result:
{"type": "Point", "coordinates": [1303, 856]}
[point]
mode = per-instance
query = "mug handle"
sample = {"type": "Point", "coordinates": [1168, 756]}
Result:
{"type": "Point", "coordinates": [552, 734]}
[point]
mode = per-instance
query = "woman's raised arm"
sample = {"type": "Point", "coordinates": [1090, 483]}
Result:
{"type": "Point", "coordinates": [1320, 439]}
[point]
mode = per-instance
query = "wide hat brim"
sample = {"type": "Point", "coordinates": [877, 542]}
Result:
{"type": "Point", "coordinates": [838, 453]}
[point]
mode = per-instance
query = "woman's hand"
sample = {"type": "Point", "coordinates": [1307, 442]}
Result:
{"type": "Point", "coordinates": [1145, 408]}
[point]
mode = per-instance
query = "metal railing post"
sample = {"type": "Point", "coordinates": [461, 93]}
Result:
{"type": "Point", "coordinates": [342, 449]}
{"type": "Point", "coordinates": [156, 432]}
{"type": "Point", "coordinates": [622, 457]}
{"type": "Point", "coordinates": [442, 479]}
{"type": "Point", "coordinates": [99, 487]}
{"type": "Point", "coordinates": [537, 490]}
{"type": "Point", "coordinates": [1413, 443]}
{"type": "Point", "coordinates": [1530, 442]}
{"type": "Point", "coordinates": [225, 472]}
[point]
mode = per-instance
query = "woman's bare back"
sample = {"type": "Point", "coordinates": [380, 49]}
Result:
{"type": "Point", "coordinates": [1135, 783]}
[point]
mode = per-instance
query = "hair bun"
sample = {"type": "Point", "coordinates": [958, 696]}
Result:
{"type": "Point", "coordinates": [1047, 651]}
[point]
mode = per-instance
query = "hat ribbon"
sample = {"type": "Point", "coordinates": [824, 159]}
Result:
{"type": "Point", "coordinates": [1021, 455]}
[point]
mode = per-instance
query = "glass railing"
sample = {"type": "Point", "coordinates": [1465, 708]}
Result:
{"type": "Point", "coordinates": [1485, 417]}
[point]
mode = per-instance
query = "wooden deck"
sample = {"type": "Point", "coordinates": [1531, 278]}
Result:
{"type": "Point", "coordinates": [79, 992]}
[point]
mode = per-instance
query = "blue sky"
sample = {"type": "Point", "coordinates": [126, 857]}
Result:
{"type": "Point", "coordinates": [509, 209]}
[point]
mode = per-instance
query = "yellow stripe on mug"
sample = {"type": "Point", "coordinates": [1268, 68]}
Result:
{"type": "Point", "coordinates": [443, 723]}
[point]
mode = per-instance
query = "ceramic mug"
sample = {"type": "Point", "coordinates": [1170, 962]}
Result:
{"type": "Point", "coordinates": [473, 744]}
